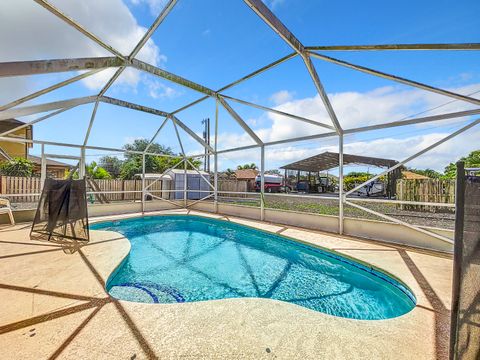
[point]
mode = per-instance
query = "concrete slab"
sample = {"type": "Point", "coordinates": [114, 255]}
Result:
{"type": "Point", "coordinates": [54, 305]}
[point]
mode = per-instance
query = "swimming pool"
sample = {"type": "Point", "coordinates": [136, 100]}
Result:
{"type": "Point", "coordinates": [185, 258]}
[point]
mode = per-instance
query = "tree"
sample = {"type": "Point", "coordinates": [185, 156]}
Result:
{"type": "Point", "coordinates": [141, 145]}
{"type": "Point", "coordinates": [432, 174]}
{"type": "Point", "coordinates": [229, 173]}
{"type": "Point", "coordinates": [92, 170]}
{"type": "Point", "coordinates": [112, 164]}
{"type": "Point", "coordinates": [273, 172]}
{"type": "Point", "coordinates": [354, 178]}
{"type": "Point", "coordinates": [96, 172]}
{"type": "Point", "coordinates": [16, 167]}
{"type": "Point", "coordinates": [153, 164]}
{"type": "Point", "coordinates": [471, 161]}
{"type": "Point", "coordinates": [247, 166]}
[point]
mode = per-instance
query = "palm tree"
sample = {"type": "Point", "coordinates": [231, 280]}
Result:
{"type": "Point", "coordinates": [229, 173]}
{"type": "Point", "coordinates": [247, 166]}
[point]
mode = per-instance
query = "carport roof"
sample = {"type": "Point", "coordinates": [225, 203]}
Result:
{"type": "Point", "coordinates": [329, 160]}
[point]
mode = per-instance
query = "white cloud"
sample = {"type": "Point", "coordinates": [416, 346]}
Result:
{"type": "Point", "coordinates": [356, 109]}
{"type": "Point", "coordinates": [281, 97]}
{"type": "Point", "coordinates": [389, 148]}
{"type": "Point", "coordinates": [46, 36]}
{"type": "Point", "coordinates": [274, 4]}
{"type": "Point", "coordinates": [158, 90]}
{"type": "Point", "coordinates": [155, 6]}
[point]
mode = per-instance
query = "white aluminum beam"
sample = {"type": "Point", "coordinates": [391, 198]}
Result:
{"type": "Point", "coordinates": [464, 46]}
{"type": "Point", "coordinates": [401, 202]}
{"type": "Point", "coordinates": [156, 134]}
{"type": "Point", "coordinates": [164, 173]}
{"type": "Point", "coordinates": [361, 129]}
{"type": "Point", "coordinates": [77, 146]}
{"type": "Point", "coordinates": [90, 124]}
{"type": "Point", "coordinates": [322, 93]}
{"type": "Point", "coordinates": [414, 121]}
{"type": "Point", "coordinates": [166, 200]}
{"type": "Point", "coordinates": [192, 133]}
{"type": "Point", "coordinates": [49, 89]}
{"type": "Point", "coordinates": [129, 105]}
{"type": "Point", "coordinates": [30, 123]}
{"type": "Point", "coordinates": [215, 159]}
{"type": "Point", "coordinates": [259, 71]}
{"type": "Point", "coordinates": [166, 10]}
{"type": "Point", "coordinates": [77, 26]}
{"type": "Point", "coordinates": [178, 135]}
{"type": "Point", "coordinates": [394, 220]}
{"type": "Point", "coordinates": [199, 173]}
{"type": "Point", "coordinates": [271, 20]}
{"type": "Point", "coordinates": [199, 200]}
{"type": "Point", "coordinates": [111, 80]}
{"type": "Point", "coordinates": [275, 111]}
{"type": "Point", "coordinates": [401, 163]}
{"type": "Point", "coordinates": [171, 77]}
{"type": "Point", "coordinates": [40, 108]}
{"type": "Point", "coordinates": [397, 79]}
{"type": "Point", "coordinates": [148, 34]}
{"type": "Point", "coordinates": [35, 67]}
{"type": "Point", "coordinates": [340, 184]}
{"type": "Point", "coordinates": [236, 82]}
{"type": "Point", "coordinates": [239, 120]}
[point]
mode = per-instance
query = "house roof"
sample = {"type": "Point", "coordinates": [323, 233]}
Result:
{"type": "Point", "coordinates": [246, 174]}
{"type": "Point", "coordinates": [413, 176]}
{"type": "Point", "coordinates": [329, 160]}
{"type": "Point", "coordinates": [9, 124]}
{"type": "Point", "coordinates": [38, 160]}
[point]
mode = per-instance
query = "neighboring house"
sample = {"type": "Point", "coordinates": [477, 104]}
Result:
{"type": "Point", "coordinates": [409, 175]}
{"type": "Point", "coordinates": [9, 150]}
{"type": "Point", "coordinates": [247, 175]}
{"type": "Point", "coordinates": [55, 169]}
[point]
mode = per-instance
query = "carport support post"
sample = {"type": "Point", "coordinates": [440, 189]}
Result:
{"type": "Point", "coordinates": [143, 184]}
{"type": "Point", "coordinates": [340, 184]}
{"type": "Point", "coordinates": [262, 183]}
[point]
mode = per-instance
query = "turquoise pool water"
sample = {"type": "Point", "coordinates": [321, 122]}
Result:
{"type": "Point", "coordinates": [184, 258]}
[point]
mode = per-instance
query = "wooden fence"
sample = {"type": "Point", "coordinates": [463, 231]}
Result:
{"type": "Point", "coordinates": [20, 185]}
{"type": "Point", "coordinates": [232, 185]}
{"type": "Point", "coordinates": [31, 185]}
{"type": "Point", "coordinates": [428, 190]}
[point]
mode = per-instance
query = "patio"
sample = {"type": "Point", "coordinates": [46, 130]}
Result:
{"type": "Point", "coordinates": [55, 306]}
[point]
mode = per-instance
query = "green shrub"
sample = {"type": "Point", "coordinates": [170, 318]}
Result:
{"type": "Point", "coordinates": [16, 167]}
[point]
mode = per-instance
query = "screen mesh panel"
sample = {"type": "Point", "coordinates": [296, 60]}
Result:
{"type": "Point", "coordinates": [466, 306]}
{"type": "Point", "coordinates": [62, 212]}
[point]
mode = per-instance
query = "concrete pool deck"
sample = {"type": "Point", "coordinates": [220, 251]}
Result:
{"type": "Point", "coordinates": [54, 305]}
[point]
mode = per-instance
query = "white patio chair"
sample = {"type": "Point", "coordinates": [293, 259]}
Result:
{"type": "Point", "coordinates": [6, 209]}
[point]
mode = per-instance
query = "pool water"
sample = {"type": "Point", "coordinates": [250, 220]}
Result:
{"type": "Point", "coordinates": [184, 258]}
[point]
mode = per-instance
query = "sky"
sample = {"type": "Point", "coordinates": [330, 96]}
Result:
{"type": "Point", "coordinates": [216, 42]}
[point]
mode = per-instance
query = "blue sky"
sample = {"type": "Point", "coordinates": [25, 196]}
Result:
{"type": "Point", "coordinates": [216, 42]}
